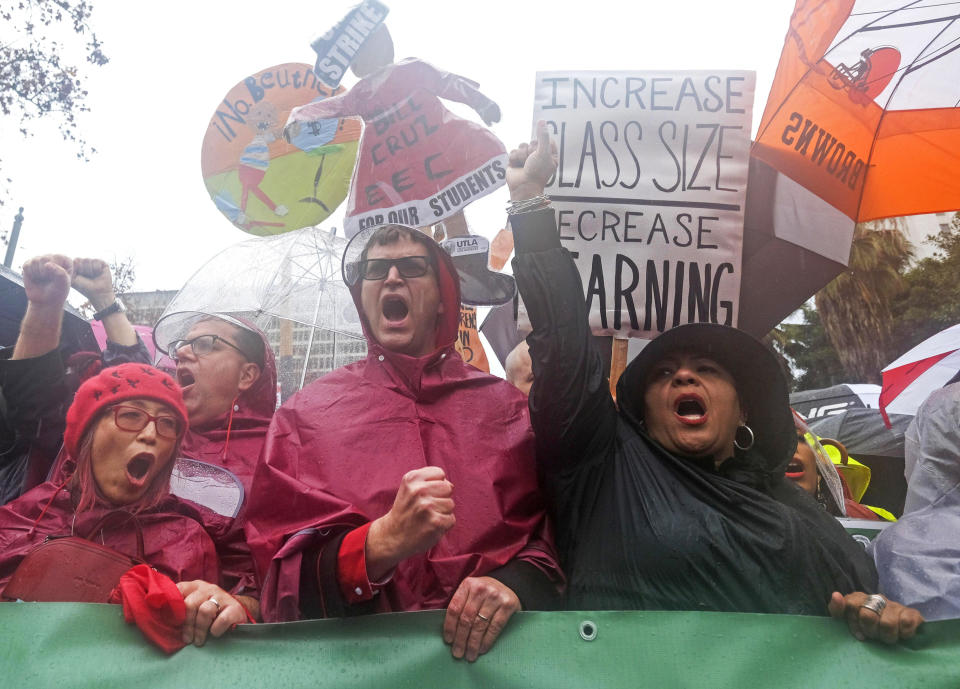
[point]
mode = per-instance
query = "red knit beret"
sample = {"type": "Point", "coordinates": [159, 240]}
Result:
{"type": "Point", "coordinates": [113, 385]}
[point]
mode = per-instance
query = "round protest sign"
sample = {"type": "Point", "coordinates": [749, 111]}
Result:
{"type": "Point", "coordinates": [263, 183]}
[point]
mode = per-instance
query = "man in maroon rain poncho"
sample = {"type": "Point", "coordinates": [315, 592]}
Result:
{"type": "Point", "coordinates": [228, 375]}
{"type": "Point", "coordinates": [227, 371]}
{"type": "Point", "coordinates": [404, 481]}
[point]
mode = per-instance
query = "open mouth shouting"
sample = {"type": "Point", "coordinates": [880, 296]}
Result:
{"type": "Point", "coordinates": [185, 378]}
{"type": "Point", "coordinates": [138, 468]}
{"type": "Point", "coordinates": [690, 409]}
{"type": "Point", "coordinates": [795, 470]}
{"type": "Point", "coordinates": [394, 309]}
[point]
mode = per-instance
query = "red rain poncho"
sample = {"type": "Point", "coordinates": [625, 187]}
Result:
{"type": "Point", "coordinates": [239, 449]}
{"type": "Point", "coordinates": [235, 444]}
{"type": "Point", "coordinates": [180, 539]}
{"type": "Point", "coordinates": [337, 451]}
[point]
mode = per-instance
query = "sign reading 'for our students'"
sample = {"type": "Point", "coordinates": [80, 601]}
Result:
{"type": "Point", "coordinates": [650, 191]}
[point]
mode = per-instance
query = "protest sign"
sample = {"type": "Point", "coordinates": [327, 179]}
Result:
{"type": "Point", "coordinates": [418, 162]}
{"type": "Point", "coordinates": [337, 48]}
{"type": "Point", "coordinates": [262, 183]}
{"type": "Point", "coordinates": [650, 191]}
{"type": "Point", "coordinates": [468, 343]}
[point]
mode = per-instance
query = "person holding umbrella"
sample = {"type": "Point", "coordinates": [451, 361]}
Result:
{"type": "Point", "coordinates": [228, 374]}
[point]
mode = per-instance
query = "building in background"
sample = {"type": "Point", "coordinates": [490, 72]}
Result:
{"type": "Point", "coordinates": [290, 341]}
{"type": "Point", "coordinates": [918, 227]}
{"type": "Point", "coordinates": [144, 308]}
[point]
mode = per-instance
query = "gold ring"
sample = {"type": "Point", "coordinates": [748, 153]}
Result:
{"type": "Point", "coordinates": [213, 599]}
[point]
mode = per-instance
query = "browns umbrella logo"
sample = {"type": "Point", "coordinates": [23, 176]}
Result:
{"type": "Point", "coordinates": [867, 79]}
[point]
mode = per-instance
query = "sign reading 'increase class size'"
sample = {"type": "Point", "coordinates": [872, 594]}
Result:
{"type": "Point", "coordinates": [650, 191]}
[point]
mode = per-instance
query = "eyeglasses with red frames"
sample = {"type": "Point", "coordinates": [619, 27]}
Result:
{"type": "Point", "coordinates": [135, 419]}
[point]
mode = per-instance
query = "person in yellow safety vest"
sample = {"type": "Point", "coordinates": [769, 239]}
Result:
{"type": "Point", "coordinates": [855, 475]}
{"type": "Point", "coordinates": [821, 468]}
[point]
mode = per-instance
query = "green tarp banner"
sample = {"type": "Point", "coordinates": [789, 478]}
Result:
{"type": "Point", "coordinates": [56, 645]}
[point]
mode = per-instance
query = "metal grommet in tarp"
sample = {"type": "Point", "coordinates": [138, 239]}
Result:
{"type": "Point", "coordinates": [588, 630]}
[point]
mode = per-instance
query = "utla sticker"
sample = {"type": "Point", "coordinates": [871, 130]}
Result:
{"type": "Point", "coordinates": [466, 246]}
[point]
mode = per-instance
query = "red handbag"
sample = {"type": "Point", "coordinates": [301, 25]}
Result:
{"type": "Point", "coordinates": [71, 569]}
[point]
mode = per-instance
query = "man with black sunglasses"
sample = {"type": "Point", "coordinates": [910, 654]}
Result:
{"type": "Point", "coordinates": [400, 296]}
{"type": "Point", "coordinates": [407, 479]}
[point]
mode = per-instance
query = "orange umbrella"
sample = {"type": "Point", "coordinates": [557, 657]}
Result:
{"type": "Point", "coordinates": [863, 108]}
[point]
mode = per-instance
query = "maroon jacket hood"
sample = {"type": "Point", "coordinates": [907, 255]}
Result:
{"type": "Point", "coordinates": [449, 283]}
{"type": "Point", "coordinates": [235, 443]}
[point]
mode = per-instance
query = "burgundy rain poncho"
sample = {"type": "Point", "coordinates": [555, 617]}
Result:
{"type": "Point", "coordinates": [235, 444]}
{"type": "Point", "coordinates": [180, 539]}
{"type": "Point", "coordinates": [336, 454]}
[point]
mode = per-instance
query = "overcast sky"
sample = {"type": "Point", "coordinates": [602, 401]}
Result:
{"type": "Point", "coordinates": [171, 64]}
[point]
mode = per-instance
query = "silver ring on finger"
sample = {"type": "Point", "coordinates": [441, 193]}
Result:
{"type": "Point", "coordinates": [875, 603]}
{"type": "Point", "coordinates": [482, 617]}
{"type": "Point", "coordinates": [213, 599]}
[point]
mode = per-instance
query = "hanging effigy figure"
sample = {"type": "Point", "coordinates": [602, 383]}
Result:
{"type": "Point", "coordinates": [418, 162]}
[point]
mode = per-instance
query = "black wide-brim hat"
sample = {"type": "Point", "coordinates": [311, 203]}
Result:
{"type": "Point", "coordinates": [479, 286]}
{"type": "Point", "coordinates": [759, 380]}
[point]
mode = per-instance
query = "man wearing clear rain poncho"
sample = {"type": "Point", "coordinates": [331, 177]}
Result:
{"type": "Point", "coordinates": [405, 481]}
{"type": "Point", "coordinates": [917, 556]}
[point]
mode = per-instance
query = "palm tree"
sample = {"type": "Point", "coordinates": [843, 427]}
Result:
{"type": "Point", "coordinates": [855, 306]}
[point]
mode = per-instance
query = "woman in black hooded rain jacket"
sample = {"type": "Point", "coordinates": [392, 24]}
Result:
{"type": "Point", "coordinates": [641, 527]}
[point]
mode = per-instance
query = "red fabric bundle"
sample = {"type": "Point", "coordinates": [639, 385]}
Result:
{"type": "Point", "coordinates": [153, 602]}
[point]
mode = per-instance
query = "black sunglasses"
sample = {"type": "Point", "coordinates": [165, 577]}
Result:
{"type": "Point", "coordinates": [407, 266]}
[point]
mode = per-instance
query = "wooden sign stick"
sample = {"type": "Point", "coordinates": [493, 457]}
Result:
{"type": "Point", "coordinates": [618, 362]}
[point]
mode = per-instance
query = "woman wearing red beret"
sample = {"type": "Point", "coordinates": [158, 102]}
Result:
{"type": "Point", "coordinates": [123, 435]}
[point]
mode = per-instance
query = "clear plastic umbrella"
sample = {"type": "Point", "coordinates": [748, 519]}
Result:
{"type": "Point", "coordinates": [287, 285]}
